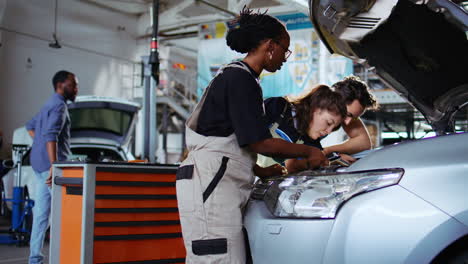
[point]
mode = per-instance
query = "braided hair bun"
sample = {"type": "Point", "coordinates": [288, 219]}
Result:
{"type": "Point", "coordinates": [249, 29]}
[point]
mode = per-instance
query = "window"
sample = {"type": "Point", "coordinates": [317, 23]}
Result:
{"type": "Point", "coordinates": [108, 120]}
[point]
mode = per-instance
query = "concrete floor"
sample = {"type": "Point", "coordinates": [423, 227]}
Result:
{"type": "Point", "coordinates": [11, 254]}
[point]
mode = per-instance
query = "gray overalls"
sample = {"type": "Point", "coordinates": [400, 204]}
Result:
{"type": "Point", "coordinates": [213, 186]}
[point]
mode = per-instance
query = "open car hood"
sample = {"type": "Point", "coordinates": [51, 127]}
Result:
{"type": "Point", "coordinates": [103, 119]}
{"type": "Point", "coordinates": [419, 48]}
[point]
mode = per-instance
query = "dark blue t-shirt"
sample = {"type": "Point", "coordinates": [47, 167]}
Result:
{"type": "Point", "coordinates": [274, 107]}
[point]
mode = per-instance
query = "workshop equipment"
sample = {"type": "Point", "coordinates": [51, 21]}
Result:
{"type": "Point", "coordinates": [115, 213]}
{"type": "Point", "coordinates": [21, 212]}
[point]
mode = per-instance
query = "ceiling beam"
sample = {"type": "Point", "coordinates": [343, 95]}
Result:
{"type": "Point", "coordinates": [133, 2]}
{"type": "Point", "coordinates": [109, 8]}
{"type": "Point", "coordinates": [181, 22]}
{"type": "Point", "coordinates": [174, 11]}
{"type": "Point", "coordinates": [217, 8]}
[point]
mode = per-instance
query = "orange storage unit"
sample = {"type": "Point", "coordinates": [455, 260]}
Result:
{"type": "Point", "coordinates": [115, 213]}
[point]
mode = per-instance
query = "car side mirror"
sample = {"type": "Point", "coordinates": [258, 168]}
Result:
{"type": "Point", "coordinates": [8, 164]}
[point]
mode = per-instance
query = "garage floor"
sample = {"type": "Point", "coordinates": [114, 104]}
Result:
{"type": "Point", "coordinates": [11, 254]}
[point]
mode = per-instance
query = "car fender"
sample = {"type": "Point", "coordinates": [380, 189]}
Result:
{"type": "Point", "coordinates": [390, 219]}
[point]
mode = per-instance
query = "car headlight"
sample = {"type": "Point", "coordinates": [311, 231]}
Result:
{"type": "Point", "coordinates": [320, 195]}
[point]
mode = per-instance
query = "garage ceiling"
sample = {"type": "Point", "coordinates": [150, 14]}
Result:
{"type": "Point", "coordinates": [132, 7]}
{"type": "Point", "coordinates": [183, 16]}
{"type": "Point", "coordinates": [191, 8]}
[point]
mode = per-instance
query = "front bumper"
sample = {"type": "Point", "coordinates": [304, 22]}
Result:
{"type": "Point", "coordinates": [390, 225]}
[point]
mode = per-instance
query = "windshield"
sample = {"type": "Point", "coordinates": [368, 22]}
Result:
{"type": "Point", "coordinates": [108, 120]}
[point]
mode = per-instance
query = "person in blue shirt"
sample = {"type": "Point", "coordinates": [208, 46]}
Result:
{"type": "Point", "coordinates": [50, 130]}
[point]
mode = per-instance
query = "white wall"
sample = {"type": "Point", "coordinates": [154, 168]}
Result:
{"type": "Point", "coordinates": [101, 55]}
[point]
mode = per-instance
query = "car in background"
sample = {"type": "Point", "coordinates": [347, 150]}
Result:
{"type": "Point", "coordinates": [404, 203]}
{"type": "Point", "coordinates": [102, 129]}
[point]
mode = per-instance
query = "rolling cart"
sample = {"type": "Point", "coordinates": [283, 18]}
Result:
{"type": "Point", "coordinates": [115, 213]}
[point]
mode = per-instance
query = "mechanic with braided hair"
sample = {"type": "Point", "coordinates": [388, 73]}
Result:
{"type": "Point", "coordinates": [224, 134]}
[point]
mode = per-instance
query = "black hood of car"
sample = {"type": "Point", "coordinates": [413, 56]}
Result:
{"type": "Point", "coordinates": [420, 50]}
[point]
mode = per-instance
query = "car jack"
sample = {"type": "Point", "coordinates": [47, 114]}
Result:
{"type": "Point", "coordinates": [21, 215]}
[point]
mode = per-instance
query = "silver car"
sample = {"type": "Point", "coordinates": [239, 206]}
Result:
{"type": "Point", "coordinates": [101, 130]}
{"type": "Point", "coordinates": [404, 203]}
